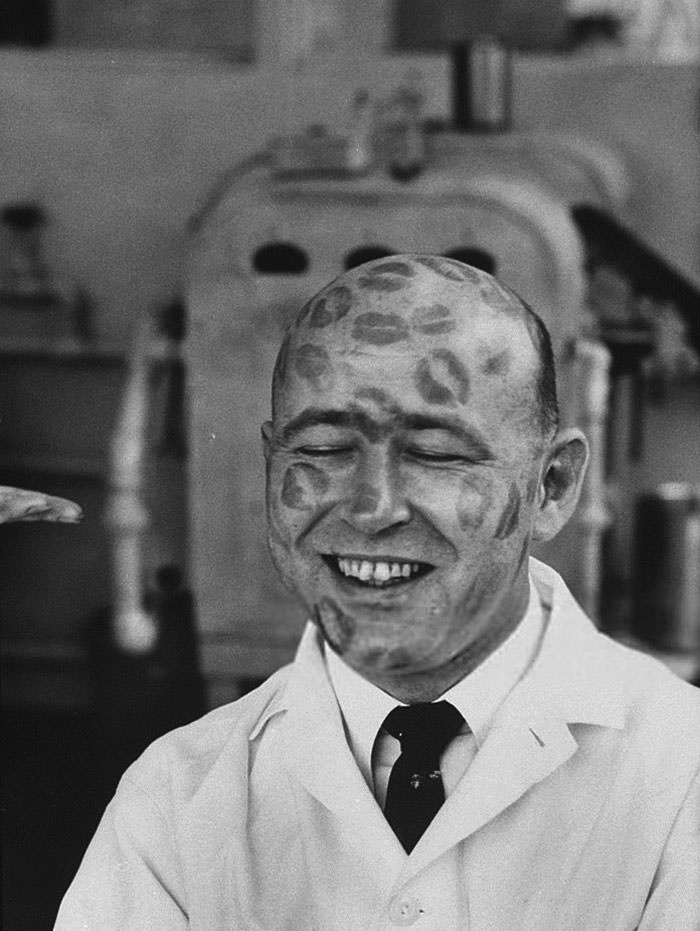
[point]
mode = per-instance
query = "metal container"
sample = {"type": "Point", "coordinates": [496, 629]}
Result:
{"type": "Point", "coordinates": [666, 572]}
{"type": "Point", "coordinates": [481, 85]}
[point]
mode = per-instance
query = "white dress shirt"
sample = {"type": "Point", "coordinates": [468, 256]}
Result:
{"type": "Point", "coordinates": [477, 697]}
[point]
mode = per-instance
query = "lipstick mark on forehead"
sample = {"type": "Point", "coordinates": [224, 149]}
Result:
{"type": "Point", "coordinates": [433, 319]}
{"type": "Point", "coordinates": [511, 514]}
{"type": "Point", "coordinates": [301, 485]}
{"type": "Point", "coordinates": [282, 361]}
{"type": "Point", "coordinates": [380, 329]}
{"type": "Point", "coordinates": [449, 269]}
{"type": "Point", "coordinates": [313, 364]}
{"type": "Point", "coordinates": [330, 307]}
{"type": "Point", "coordinates": [442, 379]}
{"type": "Point", "coordinates": [379, 397]}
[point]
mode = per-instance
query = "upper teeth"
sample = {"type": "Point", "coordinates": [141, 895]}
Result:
{"type": "Point", "coordinates": [368, 571]}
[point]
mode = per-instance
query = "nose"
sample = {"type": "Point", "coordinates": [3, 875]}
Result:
{"type": "Point", "coordinates": [376, 500]}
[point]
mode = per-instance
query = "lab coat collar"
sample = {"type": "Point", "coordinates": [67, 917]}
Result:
{"type": "Point", "coordinates": [573, 680]}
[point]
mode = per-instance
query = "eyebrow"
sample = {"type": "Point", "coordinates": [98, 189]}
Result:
{"type": "Point", "coordinates": [354, 418]}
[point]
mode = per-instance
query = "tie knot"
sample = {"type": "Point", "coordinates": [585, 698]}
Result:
{"type": "Point", "coordinates": [424, 727]}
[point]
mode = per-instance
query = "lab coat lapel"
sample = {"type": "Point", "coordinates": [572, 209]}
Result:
{"type": "Point", "coordinates": [318, 757]}
{"type": "Point", "coordinates": [573, 680]}
{"type": "Point", "coordinates": [512, 759]}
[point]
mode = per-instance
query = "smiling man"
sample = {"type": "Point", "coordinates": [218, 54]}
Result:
{"type": "Point", "coordinates": [455, 745]}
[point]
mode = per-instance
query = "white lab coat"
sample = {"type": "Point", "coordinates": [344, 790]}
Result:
{"type": "Point", "coordinates": [580, 812]}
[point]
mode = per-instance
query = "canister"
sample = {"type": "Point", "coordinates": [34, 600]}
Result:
{"type": "Point", "coordinates": [481, 85]}
{"type": "Point", "coordinates": [666, 571]}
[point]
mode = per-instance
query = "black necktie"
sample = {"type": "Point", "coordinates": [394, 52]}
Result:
{"type": "Point", "coordinates": [415, 791]}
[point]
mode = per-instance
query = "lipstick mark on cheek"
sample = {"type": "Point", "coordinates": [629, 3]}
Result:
{"type": "Point", "coordinates": [473, 504]}
{"type": "Point", "coordinates": [524, 552]}
{"type": "Point", "coordinates": [497, 364]}
{"type": "Point", "coordinates": [337, 626]}
{"type": "Point", "coordinates": [531, 489]}
{"type": "Point", "coordinates": [302, 486]}
{"type": "Point", "coordinates": [511, 514]}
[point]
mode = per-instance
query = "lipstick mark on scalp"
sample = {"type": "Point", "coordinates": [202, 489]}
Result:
{"type": "Point", "coordinates": [380, 329]}
{"type": "Point", "coordinates": [449, 269]}
{"type": "Point", "coordinates": [331, 307]}
{"type": "Point", "coordinates": [301, 484]}
{"type": "Point", "coordinates": [511, 514]}
{"type": "Point", "coordinates": [387, 276]}
{"type": "Point", "coordinates": [403, 269]}
{"type": "Point", "coordinates": [433, 319]}
{"type": "Point", "coordinates": [442, 379]}
{"type": "Point", "coordinates": [312, 363]}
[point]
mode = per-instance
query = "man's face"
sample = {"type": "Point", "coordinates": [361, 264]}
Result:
{"type": "Point", "coordinates": [403, 464]}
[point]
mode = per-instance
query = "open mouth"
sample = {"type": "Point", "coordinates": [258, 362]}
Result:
{"type": "Point", "coordinates": [376, 573]}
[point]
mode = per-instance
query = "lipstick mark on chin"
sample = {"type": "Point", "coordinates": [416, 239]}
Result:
{"type": "Point", "coordinates": [337, 626]}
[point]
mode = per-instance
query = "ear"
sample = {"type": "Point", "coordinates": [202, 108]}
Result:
{"type": "Point", "coordinates": [560, 486]}
{"type": "Point", "coordinates": [266, 436]}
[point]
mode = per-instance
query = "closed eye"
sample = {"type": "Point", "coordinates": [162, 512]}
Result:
{"type": "Point", "coordinates": [429, 455]}
{"type": "Point", "coordinates": [323, 451]}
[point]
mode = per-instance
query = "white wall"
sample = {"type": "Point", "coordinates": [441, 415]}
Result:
{"type": "Point", "coordinates": [122, 147]}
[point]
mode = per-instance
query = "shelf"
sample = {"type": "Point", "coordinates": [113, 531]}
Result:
{"type": "Point", "coordinates": [51, 464]}
{"type": "Point", "coordinates": [65, 350]}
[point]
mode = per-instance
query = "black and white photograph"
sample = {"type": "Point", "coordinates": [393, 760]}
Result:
{"type": "Point", "coordinates": [350, 465]}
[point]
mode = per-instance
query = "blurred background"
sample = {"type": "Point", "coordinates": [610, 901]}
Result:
{"type": "Point", "coordinates": [176, 179]}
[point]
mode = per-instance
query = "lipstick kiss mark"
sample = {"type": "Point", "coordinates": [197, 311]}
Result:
{"type": "Point", "coordinates": [380, 329]}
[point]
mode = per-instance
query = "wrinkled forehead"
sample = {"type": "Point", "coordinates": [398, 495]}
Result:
{"type": "Point", "coordinates": [407, 302]}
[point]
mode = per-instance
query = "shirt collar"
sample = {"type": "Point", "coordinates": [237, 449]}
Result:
{"type": "Point", "coordinates": [477, 696]}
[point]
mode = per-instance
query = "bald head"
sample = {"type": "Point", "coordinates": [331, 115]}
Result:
{"type": "Point", "coordinates": [430, 307]}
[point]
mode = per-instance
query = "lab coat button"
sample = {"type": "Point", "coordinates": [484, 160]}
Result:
{"type": "Point", "coordinates": [404, 911]}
